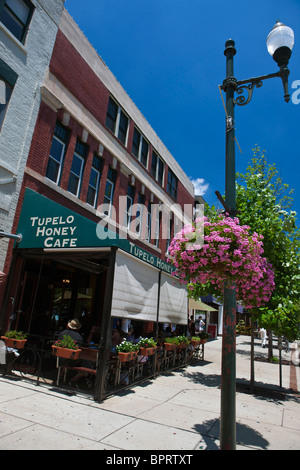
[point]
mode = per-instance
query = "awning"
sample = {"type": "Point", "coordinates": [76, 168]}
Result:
{"type": "Point", "coordinates": [198, 305]}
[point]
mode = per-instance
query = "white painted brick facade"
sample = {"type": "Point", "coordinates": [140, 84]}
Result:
{"type": "Point", "coordinates": [30, 61]}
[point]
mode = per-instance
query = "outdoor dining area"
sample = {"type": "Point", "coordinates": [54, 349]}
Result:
{"type": "Point", "coordinates": [72, 363]}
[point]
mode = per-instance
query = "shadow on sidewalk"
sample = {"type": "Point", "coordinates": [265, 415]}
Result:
{"type": "Point", "coordinates": [245, 435]}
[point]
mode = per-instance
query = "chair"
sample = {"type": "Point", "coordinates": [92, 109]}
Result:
{"type": "Point", "coordinates": [85, 354]}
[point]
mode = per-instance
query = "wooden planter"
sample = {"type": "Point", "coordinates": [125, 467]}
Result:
{"type": "Point", "coordinates": [148, 351]}
{"type": "Point", "coordinates": [127, 356]}
{"type": "Point", "coordinates": [65, 353]}
{"type": "Point", "coordinates": [203, 341]}
{"type": "Point", "coordinates": [195, 343]}
{"type": "Point", "coordinates": [181, 346]}
{"type": "Point", "coordinates": [14, 343]}
{"type": "Point", "coordinates": [169, 346]}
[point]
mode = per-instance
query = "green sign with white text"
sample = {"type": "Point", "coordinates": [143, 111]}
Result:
{"type": "Point", "coordinates": [46, 224]}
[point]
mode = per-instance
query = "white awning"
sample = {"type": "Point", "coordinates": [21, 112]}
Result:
{"type": "Point", "coordinates": [135, 289]}
{"type": "Point", "coordinates": [173, 301]}
{"type": "Point", "coordinates": [198, 305]}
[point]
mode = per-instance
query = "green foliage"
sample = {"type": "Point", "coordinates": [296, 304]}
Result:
{"type": "Point", "coordinates": [264, 203]}
{"type": "Point", "coordinates": [15, 334]}
{"type": "Point", "coordinates": [127, 346]}
{"type": "Point", "coordinates": [67, 342]}
{"type": "Point", "coordinates": [147, 343]}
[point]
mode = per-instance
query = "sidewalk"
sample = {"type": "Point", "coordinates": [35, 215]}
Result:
{"type": "Point", "coordinates": [177, 411]}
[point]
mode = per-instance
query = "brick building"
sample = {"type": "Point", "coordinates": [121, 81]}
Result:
{"type": "Point", "coordinates": [100, 200]}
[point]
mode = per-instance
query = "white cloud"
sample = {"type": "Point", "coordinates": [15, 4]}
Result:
{"type": "Point", "coordinates": [200, 186]}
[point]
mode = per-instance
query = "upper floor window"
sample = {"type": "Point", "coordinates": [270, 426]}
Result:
{"type": "Point", "coordinates": [140, 147]}
{"type": "Point", "coordinates": [109, 190]}
{"type": "Point", "coordinates": [128, 209]}
{"type": "Point", "coordinates": [76, 173]}
{"type": "Point", "coordinates": [16, 16]}
{"type": "Point", "coordinates": [8, 78]}
{"type": "Point", "coordinates": [157, 168]}
{"type": "Point", "coordinates": [117, 121]}
{"type": "Point", "coordinates": [57, 153]}
{"type": "Point", "coordinates": [94, 183]}
{"type": "Point", "coordinates": [5, 94]}
{"type": "Point", "coordinates": [172, 185]}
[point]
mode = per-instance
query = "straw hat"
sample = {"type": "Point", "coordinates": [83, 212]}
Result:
{"type": "Point", "coordinates": [74, 324]}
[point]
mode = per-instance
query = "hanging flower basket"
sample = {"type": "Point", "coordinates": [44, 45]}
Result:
{"type": "Point", "coordinates": [65, 352]}
{"type": "Point", "coordinates": [195, 342]}
{"type": "Point", "coordinates": [222, 251]}
{"type": "Point", "coordinates": [127, 356]}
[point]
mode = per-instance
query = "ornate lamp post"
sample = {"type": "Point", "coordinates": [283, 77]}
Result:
{"type": "Point", "coordinates": [280, 42]}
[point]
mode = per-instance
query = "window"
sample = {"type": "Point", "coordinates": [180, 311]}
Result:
{"type": "Point", "coordinates": [109, 190]}
{"type": "Point", "coordinates": [16, 16]}
{"type": "Point", "coordinates": [140, 147]}
{"type": "Point", "coordinates": [172, 185]}
{"type": "Point", "coordinates": [157, 168]}
{"type": "Point", "coordinates": [95, 176]}
{"type": "Point", "coordinates": [76, 172]}
{"type": "Point", "coordinates": [128, 210]}
{"type": "Point", "coordinates": [57, 153]}
{"type": "Point", "coordinates": [139, 215]}
{"type": "Point", "coordinates": [117, 121]}
{"type": "Point", "coordinates": [5, 94]}
{"type": "Point", "coordinates": [8, 78]}
{"type": "Point", "coordinates": [148, 224]}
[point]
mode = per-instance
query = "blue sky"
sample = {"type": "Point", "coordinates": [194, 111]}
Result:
{"type": "Point", "coordinates": [169, 57]}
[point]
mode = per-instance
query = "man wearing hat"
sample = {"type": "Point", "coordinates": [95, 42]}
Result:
{"type": "Point", "coordinates": [72, 330]}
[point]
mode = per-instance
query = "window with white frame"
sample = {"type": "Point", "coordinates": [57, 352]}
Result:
{"type": "Point", "coordinates": [172, 185]}
{"type": "Point", "coordinates": [76, 173]}
{"type": "Point", "coordinates": [140, 147]}
{"type": "Point", "coordinates": [157, 168]}
{"type": "Point", "coordinates": [94, 182]}
{"type": "Point", "coordinates": [117, 121]}
{"type": "Point", "coordinates": [57, 153]}
{"type": "Point", "coordinates": [16, 16]}
{"type": "Point", "coordinates": [148, 225]}
{"type": "Point", "coordinates": [139, 214]}
{"type": "Point", "coordinates": [109, 190]}
{"type": "Point", "coordinates": [128, 209]}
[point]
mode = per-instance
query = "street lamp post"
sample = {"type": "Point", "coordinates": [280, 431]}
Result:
{"type": "Point", "coordinates": [280, 42]}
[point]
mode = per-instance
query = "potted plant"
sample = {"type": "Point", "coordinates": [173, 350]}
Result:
{"type": "Point", "coordinates": [203, 337]}
{"type": "Point", "coordinates": [170, 343]}
{"type": "Point", "coordinates": [195, 341]}
{"type": "Point", "coordinates": [14, 339]}
{"type": "Point", "coordinates": [183, 341]}
{"type": "Point", "coordinates": [66, 348]}
{"type": "Point", "coordinates": [127, 351]}
{"type": "Point", "coordinates": [147, 346]}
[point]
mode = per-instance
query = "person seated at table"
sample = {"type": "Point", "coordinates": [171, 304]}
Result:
{"type": "Point", "coordinates": [72, 330]}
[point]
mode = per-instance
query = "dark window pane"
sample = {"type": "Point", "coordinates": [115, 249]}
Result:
{"type": "Point", "coordinates": [52, 170]}
{"type": "Point", "coordinates": [136, 143]}
{"type": "Point", "coordinates": [73, 184]}
{"type": "Point", "coordinates": [144, 153]}
{"type": "Point", "coordinates": [111, 117]}
{"type": "Point", "coordinates": [123, 128]}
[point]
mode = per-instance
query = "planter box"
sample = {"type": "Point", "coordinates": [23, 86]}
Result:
{"type": "Point", "coordinates": [182, 346]}
{"type": "Point", "coordinates": [203, 341]}
{"type": "Point", "coordinates": [169, 346]}
{"type": "Point", "coordinates": [195, 343]}
{"type": "Point", "coordinates": [127, 356]}
{"type": "Point", "coordinates": [148, 351]}
{"type": "Point", "coordinates": [14, 343]}
{"type": "Point", "coordinates": [65, 353]}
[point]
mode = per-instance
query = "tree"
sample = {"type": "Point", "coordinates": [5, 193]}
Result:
{"type": "Point", "coordinates": [264, 203]}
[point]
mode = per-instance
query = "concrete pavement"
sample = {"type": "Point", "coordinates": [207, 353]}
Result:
{"type": "Point", "coordinates": [178, 411]}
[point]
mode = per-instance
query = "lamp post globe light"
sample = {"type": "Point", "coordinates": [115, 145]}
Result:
{"type": "Point", "coordinates": [280, 42]}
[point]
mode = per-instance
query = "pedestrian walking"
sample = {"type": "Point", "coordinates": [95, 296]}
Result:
{"type": "Point", "coordinates": [263, 336]}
